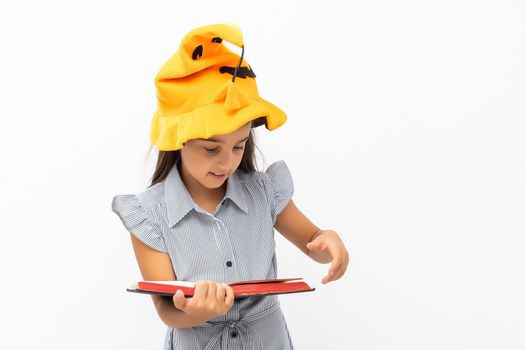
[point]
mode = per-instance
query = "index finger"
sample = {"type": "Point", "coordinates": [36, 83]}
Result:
{"type": "Point", "coordinates": [334, 267]}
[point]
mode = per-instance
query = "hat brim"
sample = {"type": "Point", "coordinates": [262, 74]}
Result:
{"type": "Point", "coordinates": [170, 133]}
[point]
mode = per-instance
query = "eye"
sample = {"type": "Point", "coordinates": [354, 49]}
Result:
{"type": "Point", "coordinates": [213, 150]}
{"type": "Point", "coordinates": [197, 52]}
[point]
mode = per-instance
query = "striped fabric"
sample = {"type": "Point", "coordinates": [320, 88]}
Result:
{"type": "Point", "coordinates": [235, 243]}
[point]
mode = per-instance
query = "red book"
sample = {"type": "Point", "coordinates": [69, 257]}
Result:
{"type": "Point", "coordinates": [241, 289]}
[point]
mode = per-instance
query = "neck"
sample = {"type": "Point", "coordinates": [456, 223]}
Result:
{"type": "Point", "coordinates": [199, 192]}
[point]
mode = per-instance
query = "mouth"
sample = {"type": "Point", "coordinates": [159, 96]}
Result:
{"type": "Point", "coordinates": [217, 176]}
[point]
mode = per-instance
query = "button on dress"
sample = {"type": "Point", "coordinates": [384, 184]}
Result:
{"type": "Point", "coordinates": [235, 243]}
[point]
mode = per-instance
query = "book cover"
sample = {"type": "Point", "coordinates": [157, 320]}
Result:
{"type": "Point", "coordinates": [241, 289]}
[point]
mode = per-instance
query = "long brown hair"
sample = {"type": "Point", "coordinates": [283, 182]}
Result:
{"type": "Point", "coordinates": [167, 159]}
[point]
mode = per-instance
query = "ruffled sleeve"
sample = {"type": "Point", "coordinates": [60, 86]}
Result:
{"type": "Point", "coordinates": [282, 186]}
{"type": "Point", "coordinates": [131, 212]}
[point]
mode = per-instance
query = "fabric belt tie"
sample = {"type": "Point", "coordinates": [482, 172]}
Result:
{"type": "Point", "coordinates": [243, 328]}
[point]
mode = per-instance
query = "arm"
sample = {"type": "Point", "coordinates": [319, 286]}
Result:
{"type": "Point", "coordinates": [322, 246]}
{"type": "Point", "coordinates": [156, 266]}
{"type": "Point", "coordinates": [299, 230]}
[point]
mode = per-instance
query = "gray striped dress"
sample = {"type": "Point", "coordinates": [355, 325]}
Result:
{"type": "Point", "coordinates": [235, 243]}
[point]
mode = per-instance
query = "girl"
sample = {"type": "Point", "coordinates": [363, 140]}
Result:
{"type": "Point", "coordinates": [209, 215]}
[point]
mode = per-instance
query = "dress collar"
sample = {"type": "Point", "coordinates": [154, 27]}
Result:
{"type": "Point", "coordinates": [179, 201]}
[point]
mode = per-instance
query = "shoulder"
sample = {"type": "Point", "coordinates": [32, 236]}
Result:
{"type": "Point", "coordinates": [275, 184]}
{"type": "Point", "coordinates": [144, 201]}
{"type": "Point", "coordinates": [141, 216]}
{"type": "Point", "coordinates": [273, 171]}
{"type": "Point", "coordinates": [152, 196]}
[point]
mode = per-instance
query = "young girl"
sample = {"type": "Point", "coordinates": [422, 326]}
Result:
{"type": "Point", "coordinates": [209, 215]}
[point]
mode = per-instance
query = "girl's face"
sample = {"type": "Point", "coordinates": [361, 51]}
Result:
{"type": "Point", "coordinates": [211, 161]}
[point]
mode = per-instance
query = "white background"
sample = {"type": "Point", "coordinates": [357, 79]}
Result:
{"type": "Point", "coordinates": [404, 134]}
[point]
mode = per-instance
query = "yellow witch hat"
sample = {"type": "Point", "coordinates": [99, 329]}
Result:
{"type": "Point", "coordinates": [205, 90]}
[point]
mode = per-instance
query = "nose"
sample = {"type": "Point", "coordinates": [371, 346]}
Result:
{"type": "Point", "coordinates": [225, 162]}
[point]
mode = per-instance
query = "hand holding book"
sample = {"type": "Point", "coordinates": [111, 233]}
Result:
{"type": "Point", "coordinates": [210, 299]}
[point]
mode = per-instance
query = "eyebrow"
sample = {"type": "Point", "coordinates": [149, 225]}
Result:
{"type": "Point", "coordinates": [219, 141]}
